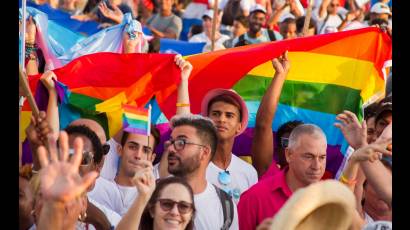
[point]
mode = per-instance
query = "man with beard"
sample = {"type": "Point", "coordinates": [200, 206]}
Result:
{"type": "Point", "coordinates": [256, 34]}
{"type": "Point", "coordinates": [191, 147]}
{"type": "Point", "coordinates": [136, 153]}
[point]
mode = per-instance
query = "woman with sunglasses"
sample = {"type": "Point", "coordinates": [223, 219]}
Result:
{"type": "Point", "coordinates": [171, 205]}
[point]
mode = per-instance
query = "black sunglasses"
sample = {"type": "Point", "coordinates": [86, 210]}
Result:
{"type": "Point", "coordinates": [168, 204]}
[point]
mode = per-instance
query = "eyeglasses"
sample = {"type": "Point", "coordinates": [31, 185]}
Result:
{"type": "Point", "coordinates": [284, 142]}
{"type": "Point", "coordinates": [87, 158]}
{"type": "Point", "coordinates": [106, 148]}
{"type": "Point", "coordinates": [179, 144]}
{"type": "Point", "coordinates": [168, 204]}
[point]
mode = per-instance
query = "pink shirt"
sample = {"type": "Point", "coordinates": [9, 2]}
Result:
{"type": "Point", "coordinates": [263, 200]}
{"type": "Point", "coordinates": [272, 170]}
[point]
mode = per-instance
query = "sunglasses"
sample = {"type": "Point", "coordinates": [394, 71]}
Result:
{"type": "Point", "coordinates": [87, 158]}
{"type": "Point", "coordinates": [224, 178]}
{"type": "Point", "coordinates": [284, 142]}
{"type": "Point", "coordinates": [168, 204]}
{"type": "Point", "coordinates": [334, 5]}
{"type": "Point", "coordinates": [179, 144]}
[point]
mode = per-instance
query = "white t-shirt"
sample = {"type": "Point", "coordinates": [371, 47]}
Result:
{"type": "Point", "coordinates": [245, 4]}
{"type": "Point", "coordinates": [115, 197]}
{"type": "Point", "coordinates": [209, 213]}
{"type": "Point", "coordinates": [243, 176]}
{"type": "Point", "coordinates": [112, 216]}
{"type": "Point", "coordinates": [110, 167]}
{"type": "Point", "coordinates": [203, 38]}
{"type": "Point", "coordinates": [332, 21]}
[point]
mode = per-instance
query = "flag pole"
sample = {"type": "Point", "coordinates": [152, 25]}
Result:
{"type": "Point", "coordinates": [149, 123]}
{"type": "Point", "coordinates": [214, 25]}
{"type": "Point", "coordinates": [307, 18]}
{"type": "Point", "coordinates": [22, 60]}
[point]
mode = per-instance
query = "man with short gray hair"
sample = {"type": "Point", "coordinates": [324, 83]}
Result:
{"type": "Point", "coordinates": [306, 156]}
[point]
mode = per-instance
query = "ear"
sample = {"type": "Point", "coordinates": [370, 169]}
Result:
{"type": "Point", "coordinates": [288, 155]}
{"type": "Point", "coordinates": [153, 156]}
{"type": "Point", "coordinates": [151, 211]}
{"type": "Point", "coordinates": [119, 150]}
{"type": "Point", "coordinates": [206, 154]}
{"type": "Point", "coordinates": [238, 130]}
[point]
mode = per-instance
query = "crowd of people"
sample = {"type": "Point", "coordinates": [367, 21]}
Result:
{"type": "Point", "coordinates": [82, 179]}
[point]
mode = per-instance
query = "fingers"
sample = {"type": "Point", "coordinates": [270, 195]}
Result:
{"type": "Point", "coordinates": [86, 181]}
{"type": "Point", "coordinates": [351, 116]}
{"type": "Point", "coordinates": [78, 153]}
{"type": "Point", "coordinates": [145, 164]}
{"type": "Point", "coordinates": [63, 141]}
{"type": "Point", "coordinates": [42, 156]}
{"type": "Point", "coordinates": [52, 147]}
{"type": "Point", "coordinates": [285, 56]}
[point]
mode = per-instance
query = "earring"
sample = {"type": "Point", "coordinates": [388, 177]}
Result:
{"type": "Point", "coordinates": [82, 216]}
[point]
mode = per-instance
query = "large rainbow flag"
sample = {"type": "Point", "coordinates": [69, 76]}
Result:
{"type": "Point", "coordinates": [329, 73]}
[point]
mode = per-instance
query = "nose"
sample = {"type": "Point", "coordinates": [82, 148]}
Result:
{"type": "Point", "coordinates": [174, 210]}
{"type": "Point", "coordinates": [315, 164]}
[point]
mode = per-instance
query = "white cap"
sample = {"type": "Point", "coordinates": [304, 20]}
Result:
{"type": "Point", "coordinates": [257, 7]}
{"type": "Point", "coordinates": [285, 16]}
{"type": "Point", "coordinates": [380, 8]}
{"type": "Point", "coordinates": [208, 13]}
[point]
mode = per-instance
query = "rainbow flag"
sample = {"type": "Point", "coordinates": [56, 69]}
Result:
{"type": "Point", "coordinates": [329, 73]}
{"type": "Point", "coordinates": [136, 120]}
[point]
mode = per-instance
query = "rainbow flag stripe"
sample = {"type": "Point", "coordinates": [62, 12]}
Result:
{"type": "Point", "coordinates": [136, 120]}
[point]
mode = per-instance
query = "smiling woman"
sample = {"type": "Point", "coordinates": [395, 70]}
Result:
{"type": "Point", "coordinates": [171, 206]}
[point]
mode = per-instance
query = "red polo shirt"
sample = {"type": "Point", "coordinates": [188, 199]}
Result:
{"type": "Point", "coordinates": [263, 200]}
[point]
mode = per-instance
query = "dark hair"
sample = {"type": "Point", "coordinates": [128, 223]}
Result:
{"type": "Point", "coordinates": [300, 22]}
{"type": "Point", "coordinates": [227, 99]}
{"type": "Point", "coordinates": [147, 222]}
{"type": "Point", "coordinates": [196, 29]}
{"type": "Point", "coordinates": [370, 111]}
{"type": "Point", "coordinates": [243, 20]}
{"type": "Point", "coordinates": [379, 21]}
{"type": "Point", "coordinates": [154, 45]}
{"type": "Point", "coordinates": [284, 128]}
{"type": "Point", "coordinates": [154, 132]}
{"type": "Point", "coordinates": [242, 42]}
{"type": "Point", "coordinates": [91, 135]}
{"type": "Point", "coordinates": [204, 126]}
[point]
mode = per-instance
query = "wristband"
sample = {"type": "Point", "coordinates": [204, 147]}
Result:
{"type": "Point", "coordinates": [183, 104]}
{"type": "Point", "coordinates": [344, 180]}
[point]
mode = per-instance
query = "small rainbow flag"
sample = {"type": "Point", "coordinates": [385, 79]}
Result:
{"type": "Point", "coordinates": [136, 120]}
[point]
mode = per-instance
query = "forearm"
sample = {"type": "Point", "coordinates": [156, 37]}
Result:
{"type": "Point", "coordinates": [52, 113]}
{"type": "Point", "coordinates": [350, 173]}
{"type": "Point", "coordinates": [380, 179]}
{"type": "Point", "coordinates": [131, 219]}
{"type": "Point", "coordinates": [97, 218]}
{"type": "Point", "coordinates": [342, 25]}
{"type": "Point", "coordinates": [275, 17]}
{"type": "Point", "coordinates": [262, 146]}
{"type": "Point", "coordinates": [323, 9]}
{"type": "Point", "coordinates": [51, 216]}
{"type": "Point", "coordinates": [183, 98]}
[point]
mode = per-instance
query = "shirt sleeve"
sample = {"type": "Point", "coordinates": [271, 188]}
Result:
{"type": "Point", "coordinates": [246, 212]}
{"type": "Point", "coordinates": [175, 26]}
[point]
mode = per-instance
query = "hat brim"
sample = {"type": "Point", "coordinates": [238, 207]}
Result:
{"type": "Point", "coordinates": [326, 204]}
{"type": "Point", "coordinates": [216, 92]}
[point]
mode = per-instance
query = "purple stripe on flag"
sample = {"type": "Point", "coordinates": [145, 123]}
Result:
{"type": "Point", "coordinates": [243, 143]}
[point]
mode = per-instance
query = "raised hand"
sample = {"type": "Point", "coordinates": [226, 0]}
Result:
{"type": "Point", "coordinates": [354, 132]}
{"type": "Point", "coordinates": [38, 129]}
{"type": "Point", "coordinates": [60, 179]}
{"type": "Point", "coordinates": [116, 14]}
{"type": "Point", "coordinates": [281, 64]}
{"type": "Point", "coordinates": [30, 31]}
{"type": "Point", "coordinates": [129, 44]}
{"type": "Point", "coordinates": [373, 151]}
{"type": "Point", "coordinates": [144, 179]}
{"type": "Point", "coordinates": [47, 79]}
{"type": "Point", "coordinates": [184, 65]}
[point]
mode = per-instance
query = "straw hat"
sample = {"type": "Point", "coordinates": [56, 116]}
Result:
{"type": "Point", "coordinates": [323, 205]}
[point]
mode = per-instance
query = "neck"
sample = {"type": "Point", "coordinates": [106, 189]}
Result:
{"type": "Point", "coordinates": [292, 182]}
{"type": "Point", "coordinates": [376, 214]}
{"type": "Point", "coordinates": [197, 181]}
{"type": "Point", "coordinates": [123, 180]}
{"type": "Point", "coordinates": [254, 34]}
{"type": "Point", "coordinates": [166, 13]}
{"type": "Point", "coordinates": [223, 154]}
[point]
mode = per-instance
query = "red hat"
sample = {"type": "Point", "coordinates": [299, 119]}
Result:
{"type": "Point", "coordinates": [217, 92]}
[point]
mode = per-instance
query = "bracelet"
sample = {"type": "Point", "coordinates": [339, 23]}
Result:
{"type": "Point", "coordinates": [30, 48]}
{"type": "Point", "coordinates": [182, 104]}
{"type": "Point", "coordinates": [344, 180]}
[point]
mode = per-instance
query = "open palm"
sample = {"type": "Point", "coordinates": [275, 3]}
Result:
{"type": "Point", "coordinates": [59, 176]}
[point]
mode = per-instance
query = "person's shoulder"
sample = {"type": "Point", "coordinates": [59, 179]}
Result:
{"type": "Point", "coordinates": [175, 18]}
{"type": "Point", "coordinates": [198, 38]}
{"type": "Point", "coordinates": [238, 162]}
{"type": "Point", "coordinates": [259, 188]}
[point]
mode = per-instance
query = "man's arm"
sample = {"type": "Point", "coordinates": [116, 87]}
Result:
{"type": "Point", "coordinates": [262, 146]}
{"type": "Point", "coordinates": [183, 106]}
